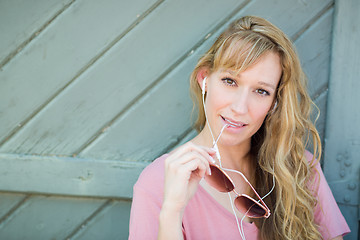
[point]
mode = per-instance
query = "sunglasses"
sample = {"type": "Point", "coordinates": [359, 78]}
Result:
{"type": "Point", "coordinates": [250, 207]}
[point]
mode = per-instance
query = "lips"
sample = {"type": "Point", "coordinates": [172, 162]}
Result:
{"type": "Point", "coordinates": [233, 123]}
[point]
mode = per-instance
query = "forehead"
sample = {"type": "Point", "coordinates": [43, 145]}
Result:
{"type": "Point", "coordinates": [241, 50]}
{"type": "Point", "coordinates": [266, 70]}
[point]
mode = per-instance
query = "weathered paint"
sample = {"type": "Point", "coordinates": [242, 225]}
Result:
{"type": "Point", "coordinates": [342, 149]}
{"type": "Point", "coordinates": [68, 176]}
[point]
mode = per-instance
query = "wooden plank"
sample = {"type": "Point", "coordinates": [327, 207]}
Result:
{"type": "Point", "coordinates": [68, 176]}
{"type": "Point", "coordinates": [69, 122]}
{"type": "Point", "coordinates": [8, 201]}
{"type": "Point", "coordinates": [45, 217]}
{"type": "Point", "coordinates": [290, 16]}
{"type": "Point", "coordinates": [20, 19]}
{"type": "Point", "coordinates": [56, 56]}
{"type": "Point", "coordinates": [342, 149]}
{"type": "Point", "coordinates": [123, 73]}
{"type": "Point", "coordinates": [111, 223]}
{"type": "Point", "coordinates": [314, 48]}
{"type": "Point", "coordinates": [145, 132]}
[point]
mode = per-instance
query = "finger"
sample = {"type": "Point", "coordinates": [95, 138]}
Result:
{"type": "Point", "coordinates": [209, 151]}
{"type": "Point", "coordinates": [195, 167]}
{"type": "Point", "coordinates": [205, 151]}
{"type": "Point", "coordinates": [174, 165]}
{"type": "Point", "coordinates": [190, 147]}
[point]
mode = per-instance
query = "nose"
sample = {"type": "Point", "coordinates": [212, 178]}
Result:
{"type": "Point", "coordinates": [240, 102]}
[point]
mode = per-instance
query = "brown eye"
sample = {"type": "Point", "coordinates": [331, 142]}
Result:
{"type": "Point", "coordinates": [229, 81]}
{"type": "Point", "coordinates": [262, 92]}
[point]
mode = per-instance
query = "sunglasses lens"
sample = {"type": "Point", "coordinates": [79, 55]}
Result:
{"type": "Point", "coordinates": [248, 206]}
{"type": "Point", "coordinates": [219, 180]}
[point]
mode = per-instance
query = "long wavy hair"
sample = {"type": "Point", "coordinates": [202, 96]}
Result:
{"type": "Point", "coordinates": [279, 145]}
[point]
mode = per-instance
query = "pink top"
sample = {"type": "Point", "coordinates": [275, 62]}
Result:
{"type": "Point", "coordinates": [205, 218]}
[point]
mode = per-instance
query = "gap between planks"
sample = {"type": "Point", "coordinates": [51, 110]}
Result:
{"type": "Point", "coordinates": [152, 87]}
{"type": "Point", "coordinates": [34, 35]}
{"type": "Point", "coordinates": [144, 93]}
{"type": "Point", "coordinates": [83, 225]}
{"type": "Point", "coordinates": [17, 207]}
{"type": "Point", "coordinates": [81, 71]}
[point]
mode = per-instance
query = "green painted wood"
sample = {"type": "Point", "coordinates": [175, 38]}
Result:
{"type": "Point", "coordinates": [290, 16]}
{"type": "Point", "coordinates": [342, 149]}
{"type": "Point", "coordinates": [314, 48]}
{"type": "Point", "coordinates": [8, 201]}
{"type": "Point", "coordinates": [169, 116]}
{"type": "Point", "coordinates": [187, 137]}
{"type": "Point", "coordinates": [20, 19]}
{"type": "Point", "coordinates": [68, 176]}
{"type": "Point", "coordinates": [123, 73]}
{"type": "Point", "coordinates": [44, 217]}
{"type": "Point", "coordinates": [55, 57]}
{"type": "Point", "coordinates": [132, 136]}
{"type": "Point", "coordinates": [111, 223]}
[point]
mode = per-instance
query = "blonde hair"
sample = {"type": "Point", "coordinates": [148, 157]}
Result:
{"type": "Point", "coordinates": [280, 144]}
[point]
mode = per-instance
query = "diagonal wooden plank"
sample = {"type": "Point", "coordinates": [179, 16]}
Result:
{"type": "Point", "coordinates": [290, 16]}
{"type": "Point", "coordinates": [314, 48]}
{"type": "Point", "coordinates": [48, 217]}
{"type": "Point", "coordinates": [52, 61]}
{"type": "Point", "coordinates": [22, 20]}
{"type": "Point", "coordinates": [127, 69]}
{"type": "Point", "coordinates": [112, 222]}
{"type": "Point", "coordinates": [9, 202]}
{"type": "Point", "coordinates": [145, 132]}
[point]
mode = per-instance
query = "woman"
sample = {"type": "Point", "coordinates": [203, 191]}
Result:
{"type": "Point", "coordinates": [253, 125]}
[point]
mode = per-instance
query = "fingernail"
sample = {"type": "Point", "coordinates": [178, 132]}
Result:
{"type": "Point", "coordinates": [209, 171]}
{"type": "Point", "coordinates": [212, 159]}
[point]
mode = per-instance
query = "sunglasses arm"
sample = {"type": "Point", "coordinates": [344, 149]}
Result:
{"type": "Point", "coordinates": [247, 181]}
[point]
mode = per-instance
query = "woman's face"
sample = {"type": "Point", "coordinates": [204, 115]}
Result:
{"type": "Point", "coordinates": [242, 100]}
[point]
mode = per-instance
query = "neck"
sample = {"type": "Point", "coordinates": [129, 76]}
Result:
{"type": "Point", "coordinates": [236, 157]}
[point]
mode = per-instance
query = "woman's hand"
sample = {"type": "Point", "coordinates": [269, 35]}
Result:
{"type": "Point", "coordinates": [184, 168]}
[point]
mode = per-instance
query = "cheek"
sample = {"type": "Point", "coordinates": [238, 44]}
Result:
{"type": "Point", "coordinates": [215, 100]}
{"type": "Point", "coordinates": [259, 111]}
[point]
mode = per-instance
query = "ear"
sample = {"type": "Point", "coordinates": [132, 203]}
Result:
{"type": "Point", "coordinates": [200, 76]}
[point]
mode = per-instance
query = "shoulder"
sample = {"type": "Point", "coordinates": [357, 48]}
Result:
{"type": "Point", "coordinates": [327, 214]}
{"type": "Point", "coordinates": [152, 177]}
{"type": "Point", "coordinates": [310, 159]}
{"type": "Point", "coordinates": [147, 201]}
{"type": "Point", "coordinates": [315, 168]}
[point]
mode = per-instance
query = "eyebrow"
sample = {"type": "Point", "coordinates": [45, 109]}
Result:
{"type": "Point", "coordinates": [260, 82]}
{"type": "Point", "coordinates": [267, 84]}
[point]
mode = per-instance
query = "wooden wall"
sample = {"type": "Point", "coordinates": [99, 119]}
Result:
{"type": "Point", "coordinates": [92, 91]}
{"type": "Point", "coordinates": [342, 149]}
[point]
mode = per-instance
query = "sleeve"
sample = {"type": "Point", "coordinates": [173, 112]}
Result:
{"type": "Point", "coordinates": [147, 202]}
{"type": "Point", "coordinates": [144, 215]}
{"type": "Point", "coordinates": [327, 213]}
